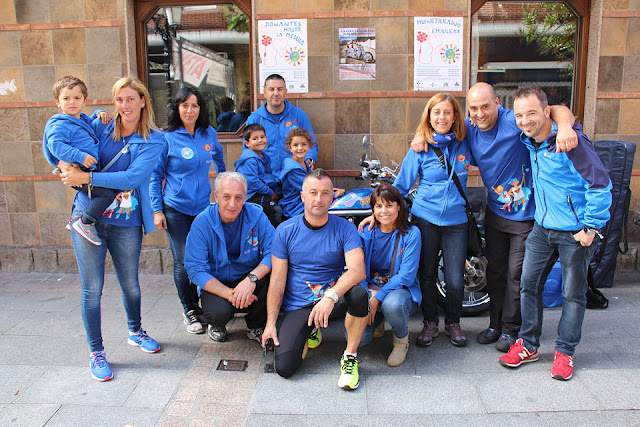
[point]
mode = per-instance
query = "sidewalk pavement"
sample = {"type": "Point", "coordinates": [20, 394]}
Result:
{"type": "Point", "coordinates": [45, 378]}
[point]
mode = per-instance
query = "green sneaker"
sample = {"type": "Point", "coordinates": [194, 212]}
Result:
{"type": "Point", "coordinates": [315, 338]}
{"type": "Point", "coordinates": [349, 377]}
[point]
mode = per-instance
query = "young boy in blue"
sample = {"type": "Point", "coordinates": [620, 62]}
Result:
{"type": "Point", "coordinates": [255, 165]}
{"type": "Point", "coordinates": [69, 137]}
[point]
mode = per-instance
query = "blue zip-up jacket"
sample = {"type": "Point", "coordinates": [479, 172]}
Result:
{"type": "Point", "coordinates": [206, 254]}
{"type": "Point", "coordinates": [184, 166]}
{"type": "Point", "coordinates": [405, 270]}
{"type": "Point", "coordinates": [438, 199]}
{"type": "Point", "coordinates": [573, 189]}
{"type": "Point", "coordinates": [291, 177]}
{"type": "Point", "coordinates": [144, 155]}
{"type": "Point", "coordinates": [257, 171]}
{"type": "Point", "coordinates": [69, 139]}
{"type": "Point", "coordinates": [292, 117]}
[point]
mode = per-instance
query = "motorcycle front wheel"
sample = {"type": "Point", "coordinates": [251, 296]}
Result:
{"type": "Point", "coordinates": [476, 298]}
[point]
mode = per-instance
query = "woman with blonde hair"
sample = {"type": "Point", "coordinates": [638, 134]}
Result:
{"type": "Point", "coordinates": [438, 209]}
{"type": "Point", "coordinates": [129, 147]}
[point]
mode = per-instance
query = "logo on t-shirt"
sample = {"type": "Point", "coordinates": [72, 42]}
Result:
{"type": "Point", "coordinates": [123, 204]}
{"type": "Point", "coordinates": [318, 290]}
{"type": "Point", "coordinates": [514, 194]}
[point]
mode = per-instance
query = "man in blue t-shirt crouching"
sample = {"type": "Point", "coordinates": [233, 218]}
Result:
{"type": "Point", "coordinates": [309, 254]}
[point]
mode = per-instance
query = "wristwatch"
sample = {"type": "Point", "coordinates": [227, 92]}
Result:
{"type": "Point", "coordinates": [252, 277]}
{"type": "Point", "coordinates": [591, 231]}
{"type": "Point", "coordinates": [330, 293]}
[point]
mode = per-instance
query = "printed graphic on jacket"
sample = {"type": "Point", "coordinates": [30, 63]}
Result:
{"type": "Point", "coordinates": [124, 203]}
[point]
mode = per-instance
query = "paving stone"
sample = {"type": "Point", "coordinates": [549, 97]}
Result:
{"type": "Point", "coordinates": [16, 381]}
{"type": "Point", "coordinates": [155, 389]}
{"type": "Point", "coordinates": [27, 415]}
{"type": "Point", "coordinates": [265, 420]}
{"type": "Point", "coordinates": [614, 388]}
{"type": "Point", "coordinates": [84, 415]}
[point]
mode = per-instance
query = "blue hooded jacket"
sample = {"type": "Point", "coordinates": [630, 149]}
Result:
{"type": "Point", "coordinates": [257, 171]}
{"type": "Point", "coordinates": [184, 165]}
{"type": "Point", "coordinates": [291, 177]}
{"type": "Point", "coordinates": [229, 122]}
{"type": "Point", "coordinates": [292, 117]}
{"type": "Point", "coordinates": [573, 189]}
{"type": "Point", "coordinates": [438, 199]}
{"type": "Point", "coordinates": [144, 155]}
{"type": "Point", "coordinates": [405, 270]}
{"type": "Point", "coordinates": [69, 139]}
{"type": "Point", "coordinates": [206, 255]}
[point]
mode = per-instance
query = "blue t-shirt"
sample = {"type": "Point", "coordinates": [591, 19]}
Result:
{"type": "Point", "coordinates": [315, 257]}
{"type": "Point", "coordinates": [124, 211]}
{"type": "Point", "coordinates": [232, 236]}
{"type": "Point", "coordinates": [381, 256]}
{"type": "Point", "coordinates": [505, 167]}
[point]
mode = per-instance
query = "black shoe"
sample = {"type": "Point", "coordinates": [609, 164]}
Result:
{"type": "Point", "coordinates": [505, 342]}
{"type": "Point", "coordinates": [217, 333]}
{"type": "Point", "coordinates": [488, 336]}
{"type": "Point", "coordinates": [429, 332]}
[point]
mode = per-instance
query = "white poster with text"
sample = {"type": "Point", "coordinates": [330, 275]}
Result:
{"type": "Point", "coordinates": [283, 49]}
{"type": "Point", "coordinates": [437, 51]}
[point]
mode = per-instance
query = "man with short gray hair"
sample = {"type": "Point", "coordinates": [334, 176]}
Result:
{"type": "Point", "coordinates": [228, 256]}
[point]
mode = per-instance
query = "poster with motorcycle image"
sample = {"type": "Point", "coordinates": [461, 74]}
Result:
{"type": "Point", "coordinates": [283, 48]}
{"type": "Point", "coordinates": [357, 47]}
{"type": "Point", "coordinates": [437, 51]}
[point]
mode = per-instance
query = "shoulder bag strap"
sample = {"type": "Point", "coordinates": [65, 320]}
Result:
{"type": "Point", "coordinates": [116, 157]}
{"type": "Point", "coordinates": [456, 181]}
{"type": "Point", "coordinates": [393, 255]}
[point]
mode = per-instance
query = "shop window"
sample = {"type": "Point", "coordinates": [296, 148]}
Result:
{"type": "Point", "coordinates": [515, 43]}
{"type": "Point", "coordinates": [206, 46]}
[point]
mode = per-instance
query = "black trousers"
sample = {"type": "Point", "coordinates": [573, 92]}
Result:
{"type": "Point", "coordinates": [271, 208]}
{"type": "Point", "coordinates": [294, 331]}
{"type": "Point", "coordinates": [218, 311]}
{"type": "Point", "coordinates": [505, 254]}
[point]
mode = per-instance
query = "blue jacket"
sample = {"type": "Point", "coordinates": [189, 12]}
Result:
{"type": "Point", "coordinates": [573, 189]}
{"type": "Point", "coordinates": [291, 177]}
{"type": "Point", "coordinates": [229, 122]}
{"type": "Point", "coordinates": [69, 139]}
{"type": "Point", "coordinates": [292, 117]}
{"type": "Point", "coordinates": [406, 266]}
{"type": "Point", "coordinates": [257, 171]}
{"type": "Point", "coordinates": [144, 155]}
{"type": "Point", "coordinates": [206, 254]}
{"type": "Point", "coordinates": [184, 166]}
{"type": "Point", "coordinates": [438, 199]}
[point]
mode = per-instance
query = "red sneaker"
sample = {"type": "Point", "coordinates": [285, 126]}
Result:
{"type": "Point", "coordinates": [518, 355]}
{"type": "Point", "coordinates": [562, 366]}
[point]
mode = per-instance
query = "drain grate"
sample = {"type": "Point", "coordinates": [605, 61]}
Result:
{"type": "Point", "coordinates": [232, 365]}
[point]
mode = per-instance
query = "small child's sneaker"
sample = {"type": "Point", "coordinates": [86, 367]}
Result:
{"type": "Point", "coordinates": [68, 226]}
{"type": "Point", "coordinates": [144, 341]}
{"type": "Point", "coordinates": [100, 369]}
{"type": "Point", "coordinates": [88, 231]}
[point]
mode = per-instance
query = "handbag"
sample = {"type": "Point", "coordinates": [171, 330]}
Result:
{"type": "Point", "coordinates": [474, 241]}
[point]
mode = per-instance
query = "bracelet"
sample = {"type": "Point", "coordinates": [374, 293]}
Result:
{"type": "Point", "coordinates": [90, 184]}
{"type": "Point", "coordinates": [230, 295]}
{"type": "Point", "coordinates": [158, 211]}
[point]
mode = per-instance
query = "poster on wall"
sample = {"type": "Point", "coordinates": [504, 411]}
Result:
{"type": "Point", "coordinates": [437, 52]}
{"type": "Point", "coordinates": [357, 47]}
{"type": "Point", "coordinates": [283, 49]}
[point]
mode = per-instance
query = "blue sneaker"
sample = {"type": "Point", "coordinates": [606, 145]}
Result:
{"type": "Point", "coordinates": [100, 369]}
{"type": "Point", "coordinates": [144, 341]}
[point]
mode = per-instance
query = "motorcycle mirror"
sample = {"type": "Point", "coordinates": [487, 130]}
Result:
{"type": "Point", "coordinates": [366, 142]}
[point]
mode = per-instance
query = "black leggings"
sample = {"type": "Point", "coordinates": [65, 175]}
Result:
{"type": "Point", "coordinates": [294, 331]}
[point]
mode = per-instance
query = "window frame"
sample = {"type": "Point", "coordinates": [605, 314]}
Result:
{"type": "Point", "coordinates": [582, 8]}
{"type": "Point", "coordinates": [145, 9]}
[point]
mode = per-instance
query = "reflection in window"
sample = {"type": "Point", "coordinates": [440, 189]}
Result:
{"type": "Point", "coordinates": [515, 44]}
{"type": "Point", "coordinates": [206, 47]}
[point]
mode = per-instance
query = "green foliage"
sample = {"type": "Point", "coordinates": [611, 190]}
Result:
{"type": "Point", "coordinates": [552, 26]}
{"type": "Point", "coordinates": [238, 21]}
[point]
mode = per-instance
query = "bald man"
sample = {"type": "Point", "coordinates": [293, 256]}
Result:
{"type": "Point", "coordinates": [503, 161]}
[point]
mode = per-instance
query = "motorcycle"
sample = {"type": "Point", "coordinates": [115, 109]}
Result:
{"type": "Point", "coordinates": [358, 52]}
{"type": "Point", "coordinates": [354, 206]}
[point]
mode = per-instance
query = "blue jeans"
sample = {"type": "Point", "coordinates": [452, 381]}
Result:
{"type": "Point", "coordinates": [396, 308]}
{"type": "Point", "coordinates": [452, 240]}
{"type": "Point", "coordinates": [540, 250]}
{"type": "Point", "coordinates": [123, 243]}
{"type": "Point", "coordinates": [178, 226]}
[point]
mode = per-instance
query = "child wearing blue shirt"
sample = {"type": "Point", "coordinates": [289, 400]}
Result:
{"type": "Point", "coordinates": [69, 137]}
{"type": "Point", "coordinates": [255, 165]}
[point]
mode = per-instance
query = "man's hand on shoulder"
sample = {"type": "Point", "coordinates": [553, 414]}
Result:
{"type": "Point", "coordinates": [319, 316]}
{"type": "Point", "coordinates": [243, 296]}
{"type": "Point", "coordinates": [418, 144]}
{"type": "Point", "coordinates": [566, 140]}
